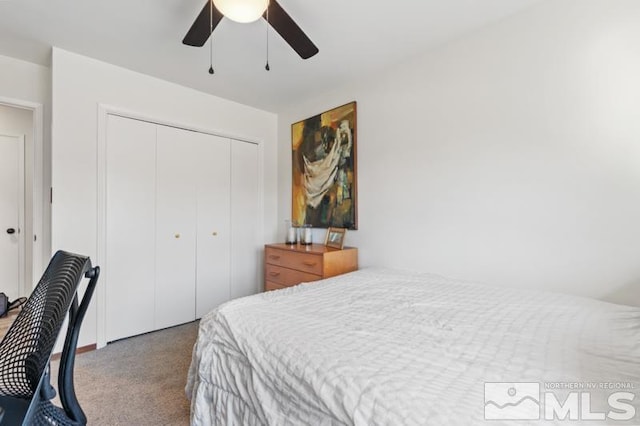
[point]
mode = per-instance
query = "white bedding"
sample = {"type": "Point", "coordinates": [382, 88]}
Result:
{"type": "Point", "coordinates": [378, 347]}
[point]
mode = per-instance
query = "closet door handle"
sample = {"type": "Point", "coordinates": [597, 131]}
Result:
{"type": "Point", "coordinates": [11, 231]}
{"type": "Point", "coordinates": [177, 236]}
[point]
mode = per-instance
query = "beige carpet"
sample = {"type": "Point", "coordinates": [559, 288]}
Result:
{"type": "Point", "coordinates": [136, 381]}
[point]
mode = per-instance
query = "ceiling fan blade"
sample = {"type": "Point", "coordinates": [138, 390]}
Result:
{"type": "Point", "coordinates": [290, 31]}
{"type": "Point", "coordinates": [201, 29]}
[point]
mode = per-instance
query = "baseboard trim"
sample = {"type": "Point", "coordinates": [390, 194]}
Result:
{"type": "Point", "coordinates": [79, 350]}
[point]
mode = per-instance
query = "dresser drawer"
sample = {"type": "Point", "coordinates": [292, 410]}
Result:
{"type": "Point", "coordinates": [268, 286]}
{"type": "Point", "coordinates": [287, 277]}
{"type": "Point", "coordinates": [294, 260]}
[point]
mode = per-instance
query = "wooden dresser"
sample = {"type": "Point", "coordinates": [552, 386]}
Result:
{"type": "Point", "coordinates": [286, 265]}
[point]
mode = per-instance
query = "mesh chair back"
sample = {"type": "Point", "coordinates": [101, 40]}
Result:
{"type": "Point", "coordinates": [26, 348]}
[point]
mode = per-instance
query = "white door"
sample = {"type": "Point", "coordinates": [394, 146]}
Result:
{"type": "Point", "coordinates": [175, 226]}
{"type": "Point", "coordinates": [213, 230]}
{"type": "Point", "coordinates": [245, 213]}
{"type": "Point", "coordinates": [130, 227]}
{"type": "Point", "coordinates": [11, 214]}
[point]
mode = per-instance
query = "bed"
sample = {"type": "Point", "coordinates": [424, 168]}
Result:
{"type": "Point", "coordinates": [383, 347]}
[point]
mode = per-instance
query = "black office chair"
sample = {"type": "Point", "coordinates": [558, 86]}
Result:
{"type": "Point", "coordinates": [25, 351]}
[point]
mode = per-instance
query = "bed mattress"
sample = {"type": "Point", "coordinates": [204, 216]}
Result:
{"type": "Point", "coordinates": [380, 347]}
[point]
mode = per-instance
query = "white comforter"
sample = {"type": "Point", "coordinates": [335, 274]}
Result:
{"type": "Point", "coordinates": [378, 347]}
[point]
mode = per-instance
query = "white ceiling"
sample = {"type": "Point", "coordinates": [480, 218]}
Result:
{"type": "Point", "coordinates": [355, 38]}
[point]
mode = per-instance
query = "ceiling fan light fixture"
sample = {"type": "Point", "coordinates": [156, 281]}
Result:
{"type": "Point", "coordinates": [242, 11]}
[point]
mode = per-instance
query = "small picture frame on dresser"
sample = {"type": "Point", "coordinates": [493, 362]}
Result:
{"type": "Point", "coordinates": [335, 238]}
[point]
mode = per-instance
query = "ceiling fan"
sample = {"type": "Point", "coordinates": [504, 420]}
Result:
{"type": "Point", "coordinates": [249, 11]}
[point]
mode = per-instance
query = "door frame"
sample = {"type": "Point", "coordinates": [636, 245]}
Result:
{"type": "Point", "coordinates": [36, 242]}
{"type": "Point", "coordinates": [21, 217]}
{"type": "Point", "coordinates": [104, 110]}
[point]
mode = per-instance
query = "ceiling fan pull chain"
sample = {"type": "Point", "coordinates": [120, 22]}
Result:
{"type": "Point", "coordinates": [267, 66]}
{"type": "Point", "coordinates": [211, 71]}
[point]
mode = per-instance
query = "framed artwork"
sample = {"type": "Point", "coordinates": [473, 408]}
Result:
{"type": "Point", "coordinates": [335, 237]}
{"type": "Point", "coordinates": [324, 180]}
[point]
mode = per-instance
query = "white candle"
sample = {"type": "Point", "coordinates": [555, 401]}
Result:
{"type": "Point", "coordinates": [307, 235]}
{"type": "Point", "coordinates": [291, 235]}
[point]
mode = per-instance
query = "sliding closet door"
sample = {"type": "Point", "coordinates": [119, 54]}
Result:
{"type": "Point", "coordinates": [213, 222]}
{"type": "Point", "coordinates": [245, 212]}
{"type": "Point", "coordinates": [182, 221]}
{"type": "Point", "coordinates": [130, 227]}
{"type": "Point", "coordinates": [175, 226]}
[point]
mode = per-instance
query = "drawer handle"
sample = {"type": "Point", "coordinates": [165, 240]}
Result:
{"type": "Point", "coordinates": [309, 263]}
{"type": "Point", "coordinates": [274, 257]}
{"type": "Point", "coordinates": [274, 274]}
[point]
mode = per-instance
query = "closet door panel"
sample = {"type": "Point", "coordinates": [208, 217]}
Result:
{"type": "Point", "coordinates": [130, 227]}
{"type": "Point", "coordinates": [245, 213]}
{"type": "Point", "coordinates": [175, 227]}
{"type": "Point", "coordinates": [213, 229]}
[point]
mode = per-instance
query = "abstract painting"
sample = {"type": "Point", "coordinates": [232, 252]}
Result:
{"type": "Point", "coordinates": [324, 181]}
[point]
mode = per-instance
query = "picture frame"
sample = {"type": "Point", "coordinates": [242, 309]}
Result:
{"type": "Point", "coordinates": [335, 237]}
{"type": "Point", "coordinates": [324, 189]}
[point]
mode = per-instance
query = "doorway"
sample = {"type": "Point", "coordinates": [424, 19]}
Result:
{"type": "Point", "coordinates": [21, 197]}
{"type": "Point", "coordinates": [12, 256]}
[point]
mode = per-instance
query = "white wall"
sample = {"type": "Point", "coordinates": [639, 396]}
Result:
{"type": "Point", "coordinates": [510, 156]}
{"type": "Point", "coordinates": [29, 85]}
{"type": "Point", "coordinates": [24, 80]}
{"type": "Point", "coordinates": [80, 85]}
